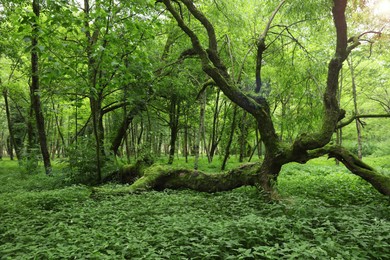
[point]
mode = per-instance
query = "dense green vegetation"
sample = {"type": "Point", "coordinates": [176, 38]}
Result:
{"type": "Point", "coordinates": [323, 213]}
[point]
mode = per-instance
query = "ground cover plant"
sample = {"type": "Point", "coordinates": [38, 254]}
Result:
{"type": "Point", "coordinates": [323, 213]}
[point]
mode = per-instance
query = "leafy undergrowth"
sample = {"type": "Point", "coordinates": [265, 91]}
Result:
{"type": "Point", "coordinates": [323, 213]}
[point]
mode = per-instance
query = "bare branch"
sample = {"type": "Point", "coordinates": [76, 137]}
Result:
{"type": "Point", "coordinates": [350, 120]}
{"type": "Point", "coordinates": [261, 47]}
{"type": "Point", "coordinates": [265, 32]}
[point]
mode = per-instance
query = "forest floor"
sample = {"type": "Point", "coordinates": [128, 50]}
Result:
{"type": "Point", "coordinates": [323, 212]}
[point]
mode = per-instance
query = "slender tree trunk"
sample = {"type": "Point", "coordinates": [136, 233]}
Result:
{"type": "Point", "coordinates": [1, 145]}
{"type": "Point", "coordinates": [243, 137]}
{"type": "Point", "coordinates": [230, 140]}
{"type": "Point", "coordinates": [148, 140]}
{"type": "Point", "coordinates": [31, 137]}
{"type": "Point", "coordinates": [133, 132]}
{"type": "Point", "coordinates": [200, 132]}
{"type": "Point", "coordinates": [34, 90]}
{"type": "Point", "coordinates": [355, 106]}
{"type": "Point", "coordinates": [213, 143]}
{"type": "Point", "coordinates": [58, 125]}
{"type": "Point", "coordinates": [185, 145]}
{"type": "Point", "coordinates": [174, 126]}
{"type": "Point", "coordinates": [12, 143]}
{"type": "Point", "coordinates": [127, 146]}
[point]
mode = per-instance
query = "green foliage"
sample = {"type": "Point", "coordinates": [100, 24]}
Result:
{"type": "Point", "coordinates": [81, 166]}
{"type": "Point", "coordinates": [82, 162]}
{"type": "Point", "coordinates": [324, 213]}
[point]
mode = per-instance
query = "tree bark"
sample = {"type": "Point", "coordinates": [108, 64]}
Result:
{"type": "Point", "coordinates": [35, 92]}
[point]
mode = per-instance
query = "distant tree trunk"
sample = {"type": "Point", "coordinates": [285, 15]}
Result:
{"type": "Point", "coordinates": [1, 144]}
{"type": "Point", "coordinates": [217, 130]}
{"type": "Point", "coordinates": [160, 144]}
{"type": "Point", "coordinates": [173, 125]}
{"type": "Point", "coordinates": [200, 131]}
{"type": "Point", "coordinates": [355, 106]}
{"type": "Point", "coordinates": [230, 140]}
{"type": "Point", "coordinates": [31, 136]}
{"type": "Point", "coordinates": [148, 141]}
{"type": "Point", "coordinates": [58, 126]}
{"type": "Point", "coordinates": [243, 137]}
{"type": "Point", "coordinates": [213, 143]}
{"type": "Point", "coordinates": [140, 134]}
{"type": "Point", "coordinates": [133, 132]}
{"type": "Point", "coordinates": [185, 144]}
{"type": "Point", "coordinates": [9, 146]}
{"type": "Point", "coordinates": [34, 90]}
{"type": "Point", "coordinates": [12, 143]}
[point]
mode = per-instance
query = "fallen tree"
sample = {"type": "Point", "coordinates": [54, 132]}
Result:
{"type": "Point", "coordinates": [144, 175]}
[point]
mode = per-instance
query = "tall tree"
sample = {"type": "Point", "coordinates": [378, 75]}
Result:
{"type": "Point", "coordinates": [34, 88]}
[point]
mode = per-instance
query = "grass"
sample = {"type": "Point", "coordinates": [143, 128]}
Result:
{"type": "Point", "coordinates": [324, 213]}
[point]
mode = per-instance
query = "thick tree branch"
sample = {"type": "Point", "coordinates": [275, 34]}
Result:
{"type": "Point", "coordinates": [332, 111]}
{"type": "Point", "coordinates": [221, 78]}
{"type": "Point", "coordinates": [214, 67]}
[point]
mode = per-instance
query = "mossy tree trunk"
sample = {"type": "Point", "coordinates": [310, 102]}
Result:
{"type": "Point", "coordinates": [277, 152]}
{"type": "Point", "coordinates": [144, 176]}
